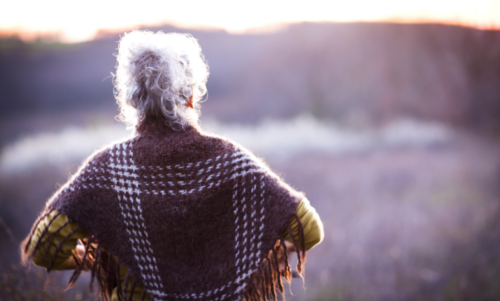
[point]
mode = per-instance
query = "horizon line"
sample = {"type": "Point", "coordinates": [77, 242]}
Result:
{"type": "Point", "coordinates": [54, 37]}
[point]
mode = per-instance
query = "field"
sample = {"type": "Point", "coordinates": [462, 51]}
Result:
{"type": "Point", "coordinates": [405, 219]}
{"type": "Point", "coordinates": [391, 130]}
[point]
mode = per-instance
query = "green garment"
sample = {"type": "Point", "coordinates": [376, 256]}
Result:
{"type": "Point", "coordinates": [313, 235]}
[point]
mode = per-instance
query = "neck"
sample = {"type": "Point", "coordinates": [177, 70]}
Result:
{"type": "Point", "coordinates": [155, 125]}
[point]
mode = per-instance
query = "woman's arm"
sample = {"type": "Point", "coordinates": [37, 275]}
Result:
{"type": "Point", "coordinates": [44, 254]}
{"type": "Point", "coordinates": [65, 258]}
{"type": "Point", "coordinates": [311, 222]}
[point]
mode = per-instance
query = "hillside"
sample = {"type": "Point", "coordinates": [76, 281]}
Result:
{"type": "Point", "coordinates": [353, 72]}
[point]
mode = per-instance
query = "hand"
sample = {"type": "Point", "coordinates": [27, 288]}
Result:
{"type": "Point", "coordinates": [89, 261]}
{"type": "Point", "coordinates": [289, 246]}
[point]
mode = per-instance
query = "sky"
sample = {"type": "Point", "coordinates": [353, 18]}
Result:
{"type": "Point", "coordinates": [72, 21]}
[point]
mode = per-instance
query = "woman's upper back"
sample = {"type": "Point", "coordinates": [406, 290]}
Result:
{"type": "Point", "coordinates": [186, 213]}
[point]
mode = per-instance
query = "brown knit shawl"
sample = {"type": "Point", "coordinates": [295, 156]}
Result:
{"type": "Point", "coordinates": [192, 216]}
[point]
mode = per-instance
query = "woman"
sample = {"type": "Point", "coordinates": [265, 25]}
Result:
{"type": "Point", "coordinates": [173, 213]}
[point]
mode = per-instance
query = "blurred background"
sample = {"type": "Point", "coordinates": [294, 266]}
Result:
{"type": "Point", "coordinates": [387, 116]}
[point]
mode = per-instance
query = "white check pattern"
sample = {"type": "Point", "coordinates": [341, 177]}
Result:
{"type": "Point", "coordinates": [167, 180]}
{"type": "Point", "coordinates": [127, 189]}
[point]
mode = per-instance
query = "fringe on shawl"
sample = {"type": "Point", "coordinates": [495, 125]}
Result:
{"type": "Point", "coordinates": [105, 269]}
{"type": "Point", "coordinates": [263, 283]}
{"type": "Point", "coordinates": [96, 259]}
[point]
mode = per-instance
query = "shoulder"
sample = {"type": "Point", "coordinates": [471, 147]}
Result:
{"type": "Point", "coordinates": [245, 162]}
{"type": "Point", "coordinates": [228, 145]}
{"type": "Point", "coordinates": [238, 153]}
{"type": "Point", "coordinates": [95, 165]}
{"type": "Point", "coordinates": [104, 155]}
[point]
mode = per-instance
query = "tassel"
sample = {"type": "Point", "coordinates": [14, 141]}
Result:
{"type": "Point", "coordinates": [263, 282]}
{"type": "Point", "coordinates": [77, 260]}
{"type": "Point", "coordinates": [51, 237]}
{"type": "Point", "coordinates": [101, 273]}
{"type": "Point", "coordinates": [287, 272]}
{"type": "Point", "coordinates": [278, 271]}
{"type": "Point", "coordinates": [132, 290]}
{"type": "Point", "coordinates": [272, 284]}
{"type": "Point", "coordinates": [79, 269]}
{"type": "Point", "coordinates": [247, 295]}
{"type": "Point", "coordinates": [108, 274]}
{"type": "Point", "coordinates": [28, 242]}
{"type": "Point", "coordinates": [118, 289]}
{"type": "Point", "coordinates": [301, 236]}
{"type": "Point", "coordinates": [299, 258]}
{"type": "Point", "coordinates": [94, 268]}
{"type": "Point", "coordinates": [255, 292]}
{"type": "Point", "coordinates": [59, 246]}
{"type": "Point", "coordinates": [40, 239]}
{"type": "Point", "coordinates": [143, 295]}
{"type": "Point", "coordinates": [125, 282]}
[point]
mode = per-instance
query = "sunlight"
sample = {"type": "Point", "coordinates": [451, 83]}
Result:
{"type": "Point", "coordinates": [71, 22]}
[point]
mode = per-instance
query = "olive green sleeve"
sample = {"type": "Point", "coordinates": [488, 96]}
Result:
{"type": "Point", "coordinates": [64, 259]}
{"type": "Point", "coordinates": [313, 235]}
{"type": "Point", "coordinates": [313, 227]}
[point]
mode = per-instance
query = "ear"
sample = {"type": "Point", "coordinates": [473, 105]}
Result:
{"type": "Point", "coordinates": [190, 102]}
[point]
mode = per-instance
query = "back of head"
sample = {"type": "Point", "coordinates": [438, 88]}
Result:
{"type": "Point", "coordinates": [160, 75]}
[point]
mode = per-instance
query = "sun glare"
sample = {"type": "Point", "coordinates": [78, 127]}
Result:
{"type": "Point", "coordinates": [71, 22]}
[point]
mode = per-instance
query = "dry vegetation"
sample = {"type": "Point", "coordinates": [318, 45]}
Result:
{"type": "Point", "coordinates": [406, 223]}
{"type": "Point", "coordinates": [401, 223]}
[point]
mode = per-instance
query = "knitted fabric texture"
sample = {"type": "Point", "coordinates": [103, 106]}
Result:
{"type": "Point", "coordinates": [192, 217]}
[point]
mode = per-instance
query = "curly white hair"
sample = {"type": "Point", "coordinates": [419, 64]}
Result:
{"type": "Point", "coordinates": [160, 75]}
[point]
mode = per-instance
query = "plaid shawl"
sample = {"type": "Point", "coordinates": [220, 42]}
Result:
{"type": "Point", "coordinates": [192, 217]}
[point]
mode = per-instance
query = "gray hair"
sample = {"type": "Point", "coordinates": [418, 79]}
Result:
{"type": "Point", "coordinates": [156, 74]}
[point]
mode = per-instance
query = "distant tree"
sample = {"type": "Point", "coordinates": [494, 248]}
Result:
{"type": "Point", "coordinates": [479, 52]}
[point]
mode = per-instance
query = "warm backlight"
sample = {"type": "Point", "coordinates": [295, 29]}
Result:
{"type": "Point", "coordinates": [71, 21]}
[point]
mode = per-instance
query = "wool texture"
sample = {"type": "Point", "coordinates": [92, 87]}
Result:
{"type": "Point", "coordinates": [192, 216]}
